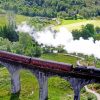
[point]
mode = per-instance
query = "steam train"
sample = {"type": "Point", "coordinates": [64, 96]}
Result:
{"type": "Point", "coordinates": [89, 70]}
{"type": "Point", "coordinates": [36, 62]}
{"type": "Point", "coordinates": [50, 65]}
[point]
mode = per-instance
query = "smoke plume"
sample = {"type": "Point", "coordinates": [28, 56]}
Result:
{"type": "Point", "coordinates": [65, 38]}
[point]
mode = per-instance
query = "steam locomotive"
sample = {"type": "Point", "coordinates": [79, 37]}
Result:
{"type": "Point", "coordinates": [51, 65]}
{"type": "Point", "coordinates": [89, 70]}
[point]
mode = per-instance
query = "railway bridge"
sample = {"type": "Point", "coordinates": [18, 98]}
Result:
{"type": "Point", "coordinates": [44, 70]}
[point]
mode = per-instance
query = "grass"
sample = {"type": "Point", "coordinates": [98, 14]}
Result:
{"type": "Point", "coordinates": [33, 21]}
{"type": "Point", "coordinates": [19, 19]}
{"type": "Point", "coordinates": [66, 22]}
{"type": "Point", "coordinates": [90, 61]}
{"type": "Point", "coordinates": [60, 58]}
{"type": "Point", "coordinates": [29, 83]}
{"type": "Point", "coordinates": [76, 24]}
{"type": "Point", "coordinates": [95, 87]}
{"type": "Point", "coordinates": [3, 20]}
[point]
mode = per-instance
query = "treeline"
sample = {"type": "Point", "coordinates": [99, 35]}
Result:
{"type": "Point", "coordinates": [68, 9]}
{"type": "Point", "coordinates": [16, 42]}
{"type": "Point", "coordinates": [9, 33]}
{"type": "Point", "coordinates": [86, 32]}
{"type": "Point", "coordinates": [25, 46]}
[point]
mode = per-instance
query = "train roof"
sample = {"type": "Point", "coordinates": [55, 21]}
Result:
{"type": "Point", "coordinates": [33, 58]}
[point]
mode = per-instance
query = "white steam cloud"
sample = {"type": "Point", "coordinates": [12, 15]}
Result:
{"type": "Point", "coordinates": [65, 38]}
{"type": "Point", "coordinates": [24, 27]}
{"type": "Point", "coordinates": [55, 39]}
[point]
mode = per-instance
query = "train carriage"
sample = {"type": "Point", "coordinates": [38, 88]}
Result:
{"type": "Point", "coordinates": [39, 63]}
{"type": "Point", "coordinates": [14, 57]}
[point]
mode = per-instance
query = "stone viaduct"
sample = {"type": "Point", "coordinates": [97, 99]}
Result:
{"type": "Point", "coordinates": [77, 82]}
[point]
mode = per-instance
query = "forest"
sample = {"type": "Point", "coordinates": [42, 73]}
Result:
{"type": "Point", "coordinates": [67, 9]}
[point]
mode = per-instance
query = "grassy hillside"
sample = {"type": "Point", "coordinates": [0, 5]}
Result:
{"type": "Point", "coordinates": [69, 24]}
{"type": "Point", "coordinates": [60, 58]}
{"type": "Point", "coordinates": [19, 19]}
{"type": "Point", "coordinates": [58, 88]}
{"type": "Point", "coordinates": [3, 19]}
{"type": "Point", "coordinates": [76, 24]}
{"type": "Point", "coordinates": [37, 22]}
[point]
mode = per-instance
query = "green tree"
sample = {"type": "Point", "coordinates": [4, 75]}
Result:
{"type": "Point", "coordinates": [87, 31]}
{"type": "Point", "coordinates": [97, 29]}
{"type": "Point", "coordinates": [9, 33]}
{"type": "Point", "coordinates": [85, 8]}
{"type": "Point", "coordinates": [76, 34]}
{"type": "Point", "coordinates": [5, 44]}
{"type": "Point", "coordinates": [97, 37]}
{"type": "Point", "coordinates": [27, 46]}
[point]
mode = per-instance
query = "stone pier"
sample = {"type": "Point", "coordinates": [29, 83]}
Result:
{"type": "Point", "coordinates": [43, 83]}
